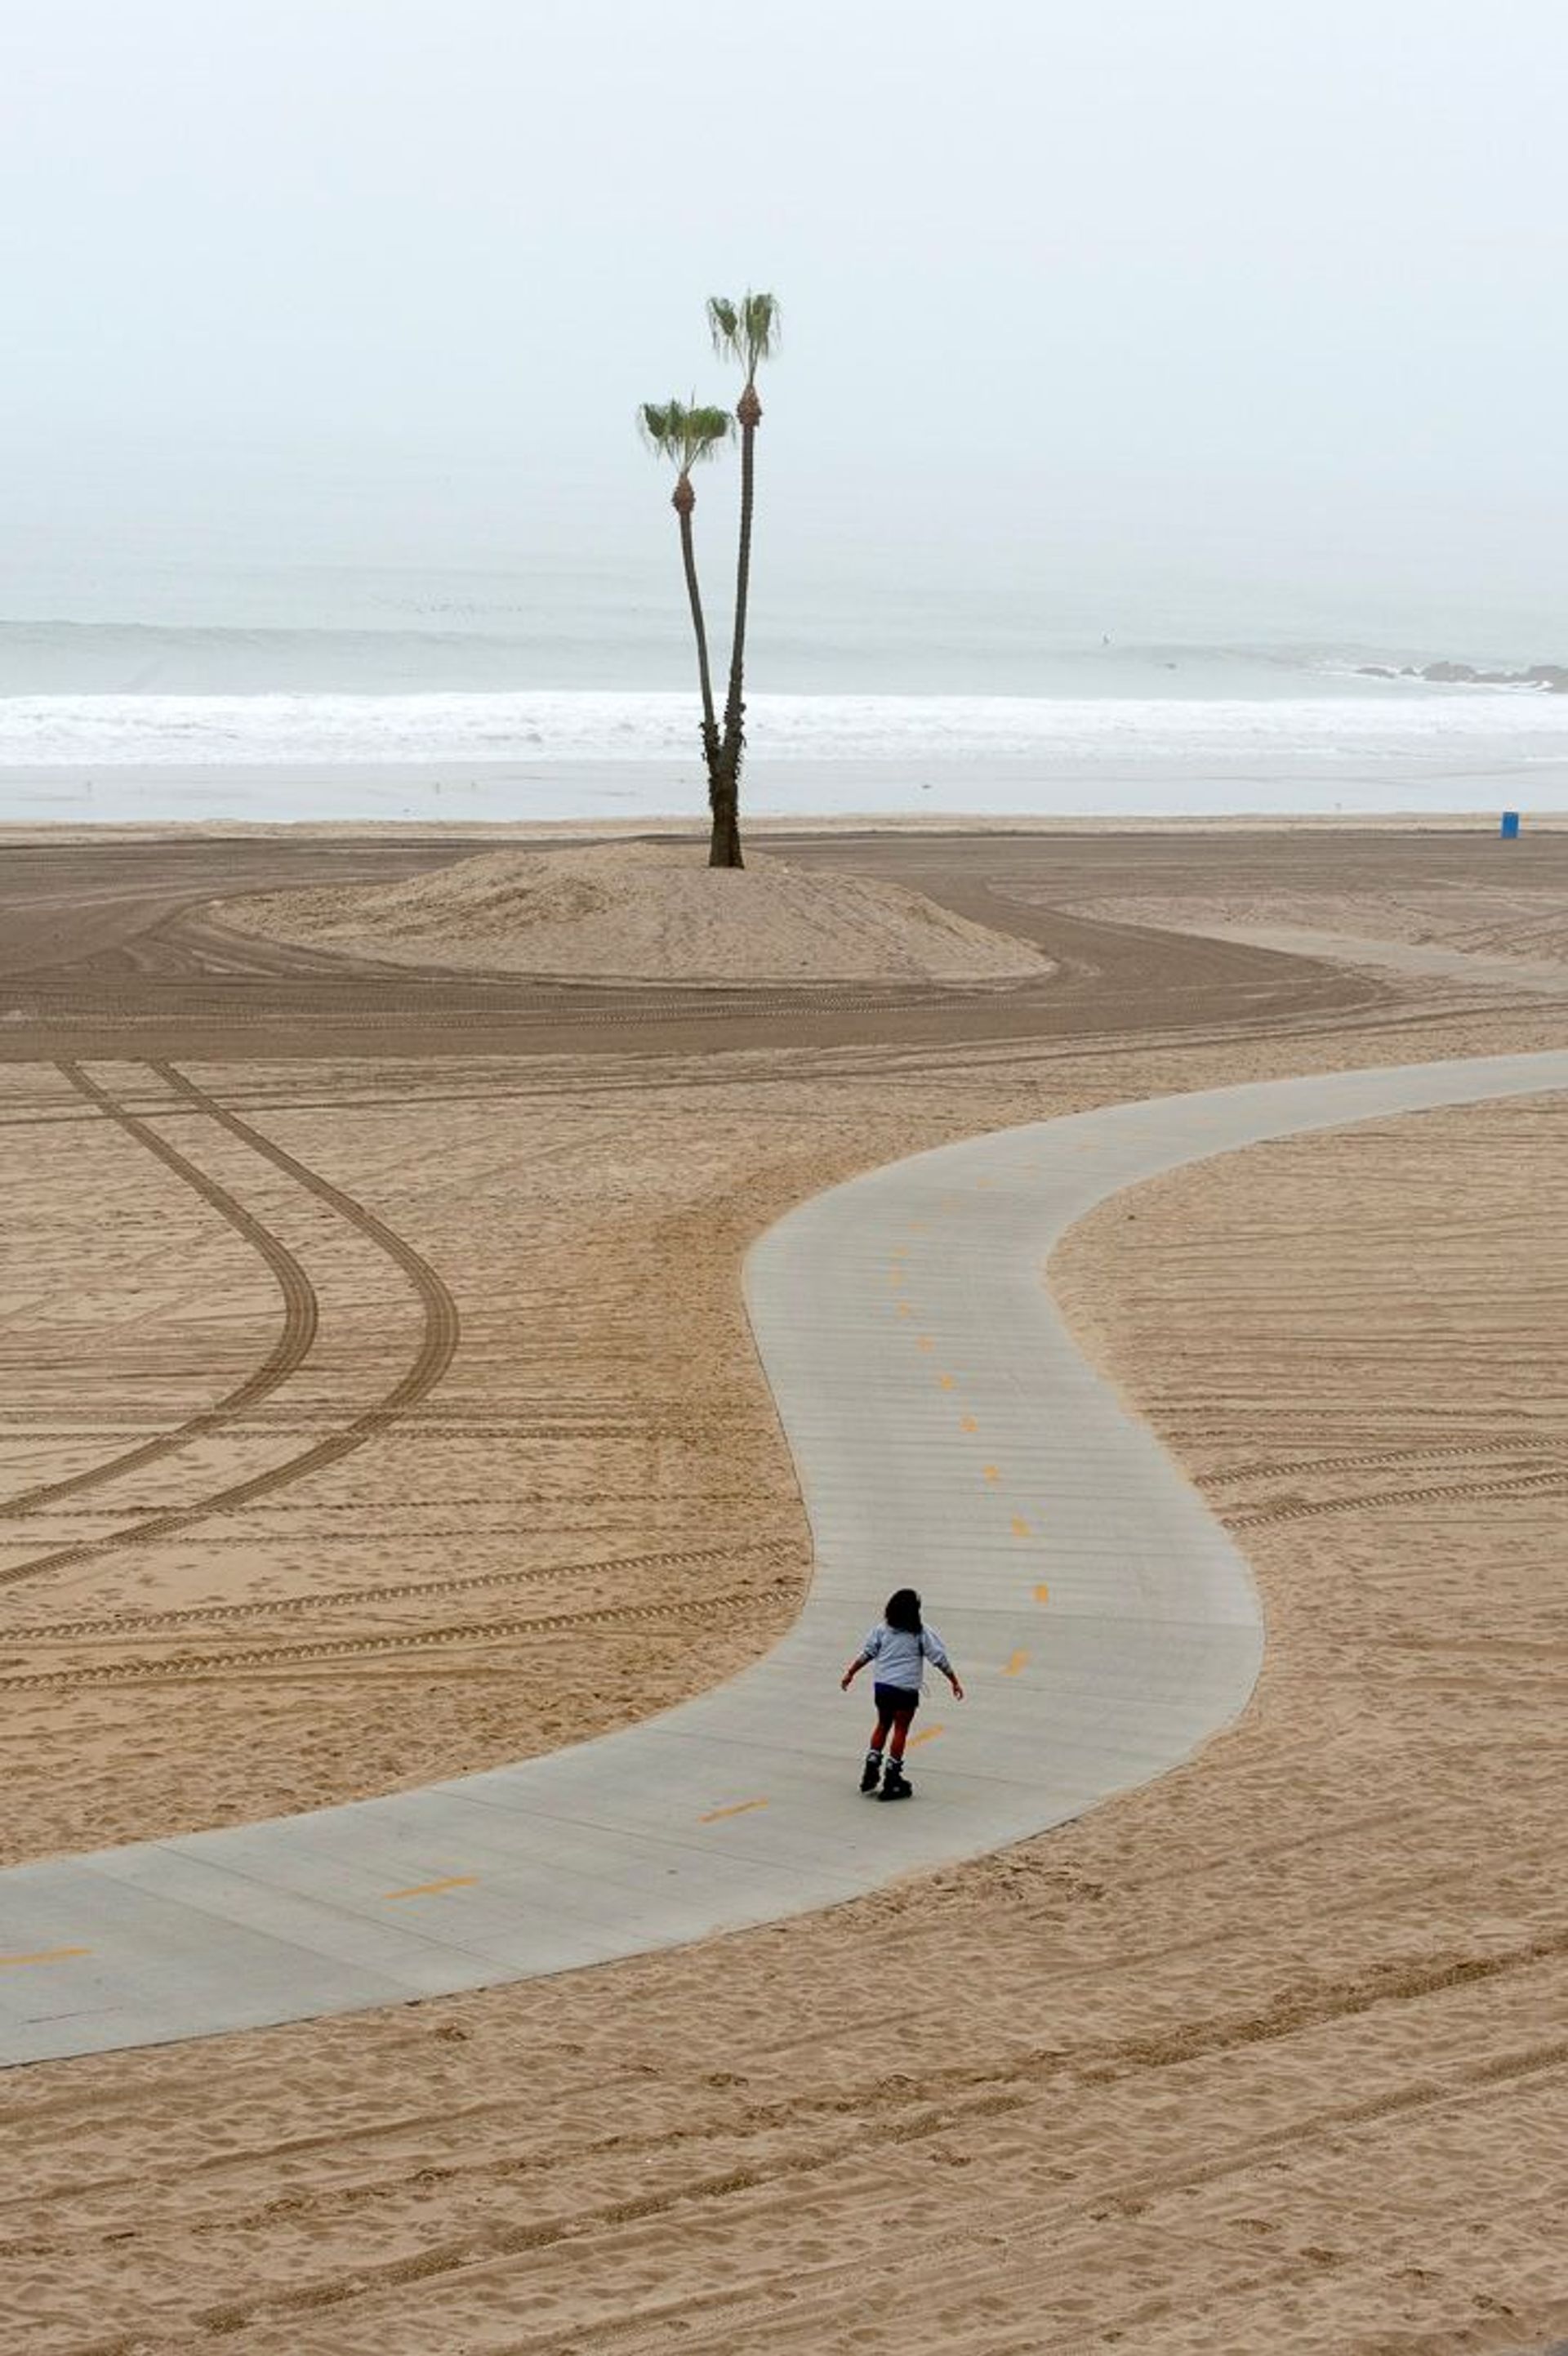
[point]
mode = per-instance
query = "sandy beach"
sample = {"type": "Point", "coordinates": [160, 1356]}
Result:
{"type": "Point", "coordinates": [1269, 2054]}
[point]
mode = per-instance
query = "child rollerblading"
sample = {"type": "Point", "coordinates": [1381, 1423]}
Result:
{"type": "Point", "coordinates": [900, 1644]}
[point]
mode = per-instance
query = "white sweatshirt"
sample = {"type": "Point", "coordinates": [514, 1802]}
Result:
{"type": "Point", "coordinates": [901, 1659]}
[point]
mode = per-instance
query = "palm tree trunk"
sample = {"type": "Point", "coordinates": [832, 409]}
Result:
{"type": "Point", "coordinates": [709, 724]}
{"type": "Point", "coordinates": [725, 848]}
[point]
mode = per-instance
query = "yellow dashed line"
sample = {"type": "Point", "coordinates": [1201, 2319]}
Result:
{"type": "Point", "coordinates": [991, 1472]}
{"type": "Point", "coordinates": [967, 1423]}
{"type": "Point", "coordinates": [926, 1734]}
{"type": "Point", "coordinates": [904, 1309]}
{"type": "Point", "coordinates": [947, 1381]}
{"type": "Point", "coordinates": [924, 1341]}
{"type": "Point", "coordinates": [430, 1888]}
{"type": "Point", "coordinates": [1015, 1663]}
{"type": "Point", "coordinates": [46, 1955]}
{"type": "Point", "coordinates": [1043, 1595]}
{"type": "Point", "coordinates": [1020, 1528]}
{"type": "Point", "coordinates": [742, 1808]}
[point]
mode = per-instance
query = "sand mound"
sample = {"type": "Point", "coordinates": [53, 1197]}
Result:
{"type": "Point", "coordinates": [645, 911]}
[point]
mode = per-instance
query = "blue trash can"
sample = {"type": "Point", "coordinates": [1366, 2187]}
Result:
{"type": "Point", "coordinates": [1510, 828]}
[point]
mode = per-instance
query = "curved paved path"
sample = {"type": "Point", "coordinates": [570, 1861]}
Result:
{"type": "Point", "coordinates": [946, 1431]}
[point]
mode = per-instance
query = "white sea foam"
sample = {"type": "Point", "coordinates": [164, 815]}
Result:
{"type": "Point", "coordinates": [1067, 734]}
{"type": "Point", "coordinates": [484, 757]}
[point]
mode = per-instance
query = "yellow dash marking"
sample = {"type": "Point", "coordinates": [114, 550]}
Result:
{"type": "Point", "coordinates": [915, 1227]}
{"type": "Point", "coordinates": [1020, 1528]}
{"type": "Point", "coordinates": [947, 1381]}
{"type": "Point", "coordinates": [46, 1955]}
{"type": "Point", "coordinates": [924, 1341]}
{"type": "Point", "coordinates": [992, 1472]}
{"type": "Point", "coordinates": [742, 1808]}
{"type": "Point", "coordinates": [967, 1423]}
{"type": "Point", "coordinates": [1015, 1663]}
{"type": "Point", "coordinates": [430, 1888]}
{"type": "Point", "coordinates": [926, 1734]}
{"type": "Point", "coordinates": [1043, 1595]}
{"type": "Point", "coordinates": [904, 1309]}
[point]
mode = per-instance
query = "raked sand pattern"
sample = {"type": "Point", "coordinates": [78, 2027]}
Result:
{"type": "Point", "coordinates": [946, 1429]}
{"type": "Point", "coordinates": [1264, 2054]}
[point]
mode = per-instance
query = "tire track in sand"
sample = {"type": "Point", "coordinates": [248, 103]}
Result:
{"type": "Point", "coordinates": [291, 1347]}
{"type": "Point", "coordinates": [1377, 1459]}
{"type": "Point", "coordinates": [438, 1343]}
{"type": "Point", "coordinates": [704, 1609]}
{"type": "Point", "coordinates": [203, 1615]}
{"type": "Point", "coordinates": [1524, 1484]}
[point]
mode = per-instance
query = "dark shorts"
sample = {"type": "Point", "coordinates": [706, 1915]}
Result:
{"type": "Point", "coordinates": [896, 1702]}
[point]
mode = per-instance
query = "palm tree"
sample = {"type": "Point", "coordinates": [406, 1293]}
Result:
{"type": "Point", "coordinates": [686, 434]}
{"type": "Point", "coordinates": [748, 332]}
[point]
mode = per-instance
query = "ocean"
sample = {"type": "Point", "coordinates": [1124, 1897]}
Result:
{"type": "Point", "coordinates": [558, 695]}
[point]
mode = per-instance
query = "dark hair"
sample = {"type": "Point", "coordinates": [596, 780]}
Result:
{"type": "Point", "coordinates": [903, 1613]}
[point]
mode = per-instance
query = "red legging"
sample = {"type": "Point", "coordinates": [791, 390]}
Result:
{"type": "Point", "coordinates": [898, 1716]}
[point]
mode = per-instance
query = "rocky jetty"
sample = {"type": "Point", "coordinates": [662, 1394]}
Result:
{"type": "Point", "coordinates": [1550, 677]}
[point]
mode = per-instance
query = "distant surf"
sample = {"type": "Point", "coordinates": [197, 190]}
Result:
{"type": "Point", "coordinates": [485, 758]}
{"type": "Point", "coordinates": [1060, 735]}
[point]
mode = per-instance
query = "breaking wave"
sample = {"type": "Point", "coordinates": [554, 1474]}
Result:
{"type": "Point", "coordinates": [1056, 733]}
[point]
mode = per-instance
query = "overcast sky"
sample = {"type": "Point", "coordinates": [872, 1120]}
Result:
{"type": "Point", "coordinates": [1270, 286]}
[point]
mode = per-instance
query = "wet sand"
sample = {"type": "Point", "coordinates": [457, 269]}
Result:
{"type": "Point", "coordinates": [473, 1458]}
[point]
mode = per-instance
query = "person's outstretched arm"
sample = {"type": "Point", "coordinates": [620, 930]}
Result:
{"type": "Point", "coordinates": [935, 1652]}
{"type": "Point", "coordinates": [853, 1671]}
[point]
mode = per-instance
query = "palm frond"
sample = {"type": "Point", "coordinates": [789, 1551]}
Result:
{"type": "Point", "coordinates": [748, 331]}
{"type": "Point", "coordinates": [684, 432]}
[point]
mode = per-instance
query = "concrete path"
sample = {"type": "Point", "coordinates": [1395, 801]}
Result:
{"type": "Point", "coordinates": [946, 1433]}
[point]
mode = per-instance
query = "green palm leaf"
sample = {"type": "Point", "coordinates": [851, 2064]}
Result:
{"type": "Point", "coordinates": [684, 432]}
{"type": "Point", "coordinates": [747, 331]}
